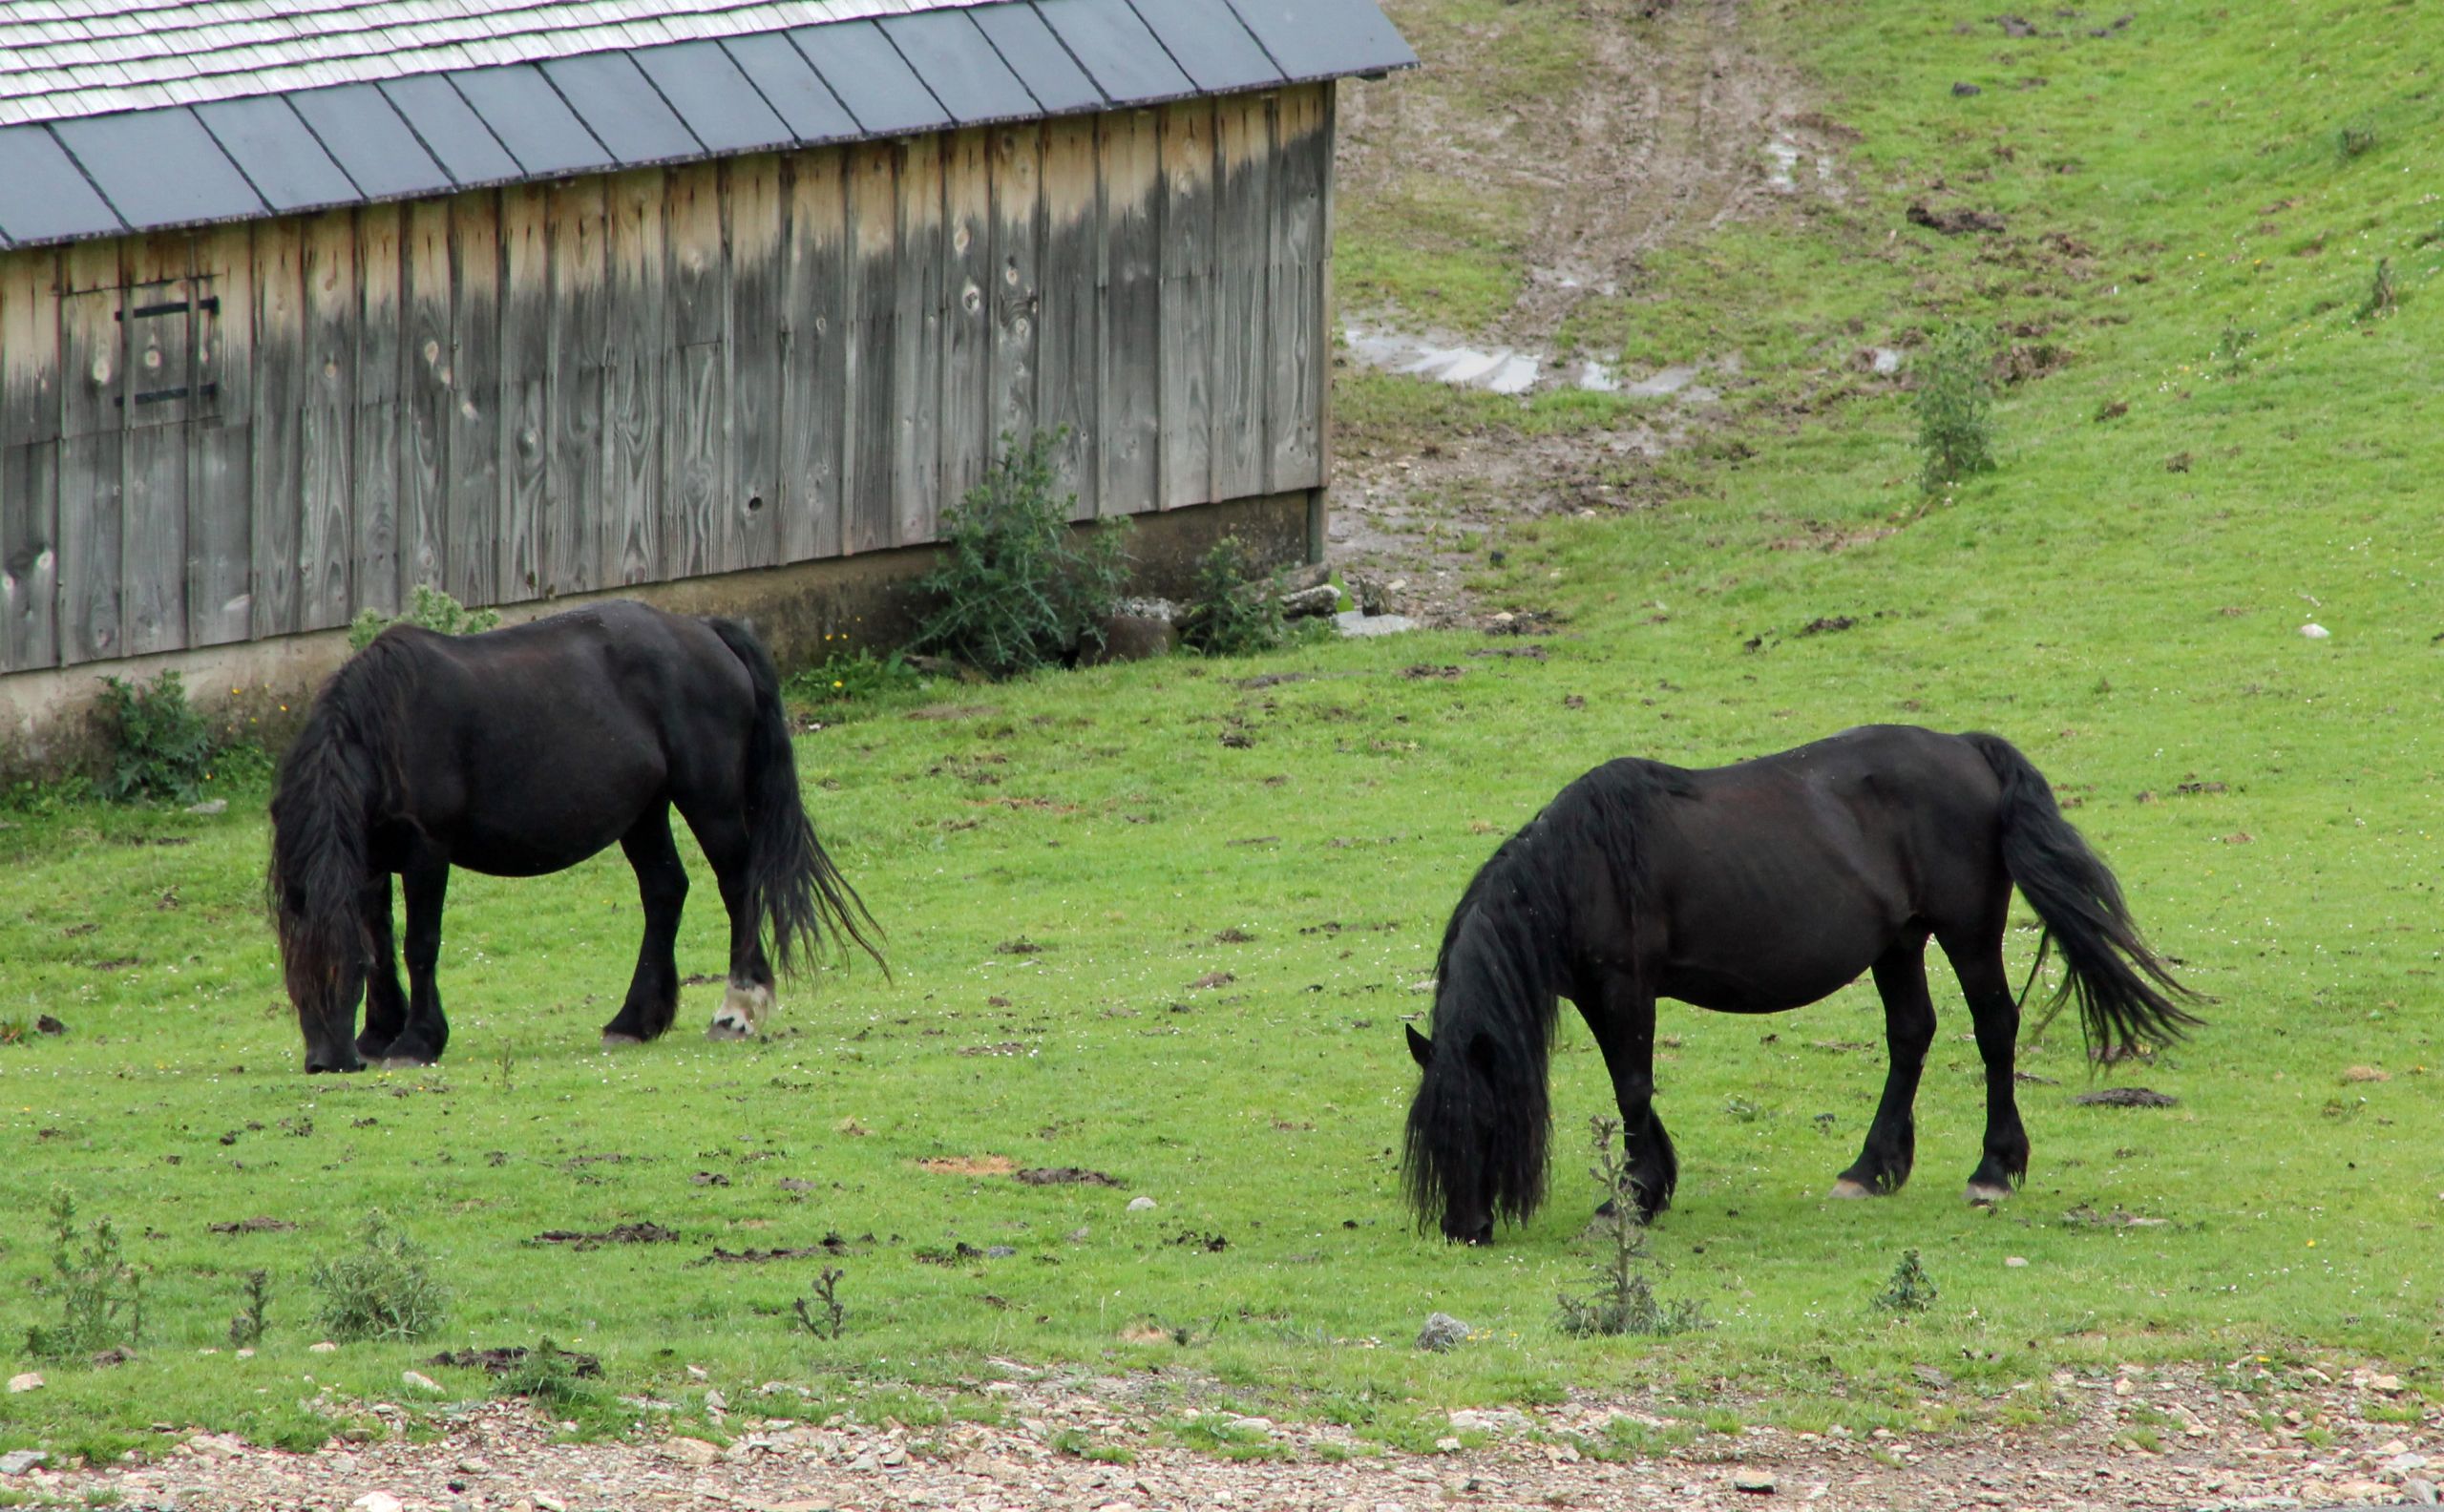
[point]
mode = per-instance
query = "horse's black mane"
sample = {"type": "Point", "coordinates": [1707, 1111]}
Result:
{"type": "Point", "coordinates": [1507, 957]}
{"type": "Point", "coordinates": [342, 772]}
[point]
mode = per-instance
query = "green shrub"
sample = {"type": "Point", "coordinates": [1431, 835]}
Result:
{"type": "Point", "coordinates": [247, 1329]}
{"type": "Point", "coordinates": [160, 746]}
{"type": "Point", "coordinates": [381, 1290]}
{"type": "Point", "coordinates": [1955, 393]}
{"type": "Point", "coordinates": [1624, 1299]}
{"type": "Point", "coordinates": [848, 678]}
{"type": "Point", "coordinates": [1233, 611]}
{"type": "Point", "coordinates": [428, 607]}
{"type": "Point", "coordinates": [101, 1296]}
{"type": "Point", "coordinates": [1910, 1290]}
{"type": "Point", "coordinates": [1017, 588]}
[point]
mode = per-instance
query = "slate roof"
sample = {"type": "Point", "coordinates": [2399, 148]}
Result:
{"type": "Point", "coordinates": [122, 116]}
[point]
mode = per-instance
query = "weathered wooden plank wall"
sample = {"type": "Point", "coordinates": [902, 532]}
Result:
{"type": "Point", "coordinates": [518, 393]}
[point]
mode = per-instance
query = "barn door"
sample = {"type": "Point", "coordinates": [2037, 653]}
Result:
{"type": "Point", "coordinates": [135, 393]}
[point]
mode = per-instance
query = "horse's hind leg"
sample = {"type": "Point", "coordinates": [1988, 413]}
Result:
{"type": "Point", "coordinates": [386, 1002]}
{"type": "Point", "coordinates": [1997, 1016]}
{"type": "Point", "coordinates": [662, 887]}
{"type": "Point", "coordinates": [722, 831]}
{"type": "Point", "coordinates": [426, 882]}
{"type": "Point", "coordinates": [1908, 1033]}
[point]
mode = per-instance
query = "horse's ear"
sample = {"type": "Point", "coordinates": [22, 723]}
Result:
{"type": "Point", "coordinates": [1419, 1047]}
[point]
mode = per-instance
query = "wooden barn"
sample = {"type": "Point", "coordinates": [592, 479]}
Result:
{"type": "Point", "coordinates": [306, 302]}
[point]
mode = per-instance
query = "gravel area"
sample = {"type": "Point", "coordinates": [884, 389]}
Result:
{"type": "Point", "coordinates": [2237, 1438]}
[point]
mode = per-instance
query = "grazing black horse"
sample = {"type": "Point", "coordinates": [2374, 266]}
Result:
{"type": "Point", "coordinates": [526, 751]}
{"type": "Point", "coordinates": [1752, 889]}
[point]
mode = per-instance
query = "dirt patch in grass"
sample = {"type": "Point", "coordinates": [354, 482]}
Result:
{"type": "Point", "coordinates": [627, 1233]}
{"type": "Point", "coordinates": [968, 1164]}
{"type": "Point", "coordinates": [502, 1362]}
{"type": "Point", "coordinates": [255, 1224]}
{"type": "Point", "coordinates": [1068, 1176]}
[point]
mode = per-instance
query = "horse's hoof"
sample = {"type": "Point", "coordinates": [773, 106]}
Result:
{"type": "Point", "coordinates": [1983, 1195]}
{"type": "Point", "coordinates": [613, 1039]}
{"type": "Point", "coordinates": [1847, 1188]}
{"type": "Point", "coordinates": [728, 1026]}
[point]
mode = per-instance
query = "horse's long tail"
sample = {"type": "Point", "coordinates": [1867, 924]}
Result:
{"type": "Point", "coordinates": [793, 888]}
{"type": "Point", "coordinates": [2125, 991]}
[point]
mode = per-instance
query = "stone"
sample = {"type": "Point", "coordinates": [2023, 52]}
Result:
{"type": "Point", "coordinates": [326, 1347]}
{"type": "Point", "coordinates": [1446, 1446]}
{"type": "Point", "coordinates": [378, 1502]}
{"type": "Point", "coordinates": [1323, 599]}
{"type": "Point", "coordinates": [1442, 1332]}
{"type": "Point", "coordinates": [2385, 1385]}
{"type": "Point", "coordinates": [2314, 630]}
{"type": "Point", "coordinates": [209, 806]}
{"type": "Point", "coordinates": [1131, 638]}
{"type": "Point", "coordinates": [865, 1461]}
{"type": "Point", "coordinates": [2361, 1492]}
{"type": "Point", "coordinates": [1141, 1204]}
{"type": "Point", "coordinates": [17, 1461]}
{"type": "Point", "coordinates": [692, 1451]}
{"type": "Point", "coordinates": [545, 1502]}
{"type": "Point", "coordinates": [1356, 622]}
{"type": "Point", "coordinates": [2419, 1491]}
{"type": "Point", "coordinates": [1754, 1483]}
{"type": "Point", "coordinates": [2404, 1461]}
{"type": "Point", "coordinates": [418, 1380]}
{"type": "Point", "coordinates": [28, 1381]}
{"type": "Point", "coordinates": [715, 1401]}
{"type": "Point", "coordinates": [470, 1465]}
{"type": "Point", "coordinates": [2015, 1261]}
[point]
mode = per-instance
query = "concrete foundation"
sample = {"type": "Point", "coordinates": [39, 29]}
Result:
{"type": "Point", "coordinates": [258, 690]}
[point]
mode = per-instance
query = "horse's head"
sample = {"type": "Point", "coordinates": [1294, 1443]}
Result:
{"type": "Point", "coordinates": [1463, 1142]}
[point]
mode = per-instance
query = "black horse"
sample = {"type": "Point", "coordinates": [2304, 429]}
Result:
{"type": "Point", "coordinates": [1752, 889]}
{"type": "Point", "coordinates": [526, 751]}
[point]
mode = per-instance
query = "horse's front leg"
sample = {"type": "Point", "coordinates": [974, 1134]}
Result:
{"type": "Point", "coordinates": [1620, 1012]}
{"type": "Point", "coordinates": [1892, 1145]}
{"type": "Point", "coordinates": [386, 1002]}
{"type": "Point", "coordinates": [426, 882]}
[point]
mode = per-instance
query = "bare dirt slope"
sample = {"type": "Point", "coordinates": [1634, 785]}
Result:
{"type": "Point", "coordinates": [1668, 123]}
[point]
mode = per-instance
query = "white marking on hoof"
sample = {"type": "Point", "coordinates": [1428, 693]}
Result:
{"type": "Point", "coordinates": [403, 1064]}
{"type": "Point", "coordinates": [744, 1009]}
{"type": "Point", "coordinates": [1847, 1188]}
{"type": "Point", "coordinates": [617, 1042]}
{"type": "Point", "coordinates": [1984, 1196]}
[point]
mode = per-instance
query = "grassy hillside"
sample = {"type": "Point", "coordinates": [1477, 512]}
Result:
{"type": "Point", "coordinates": [1060, 864]}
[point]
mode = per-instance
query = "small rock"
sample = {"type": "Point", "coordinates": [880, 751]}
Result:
{"type": "Point", "coordinates": [245, 1353]}
{"type": "Point", "coordinates": [2385, 1385]}
{"type": "Point", "coordinates": [1442, 1332]}
{"type": "Point", "coordinates": [699, 1373]}
{"type": "Point", "coordinates": [692, 1451]}
{"type": "Point", "coordinates": [1000, 1251]}
{"type": "Point", "coordinates": [1446, 1446]}
{"type": "Point", "coordinates": [545, 1502]}
{"type": "Point", "coordinates": [2419, 1491]}
{"type": "Point", "coordinates": [28, 1381]}
{"type": "Point", "coordinates": [2404, 1461]}
{"type": "Point", "coordinates": [418, 1380]}
{"type": "Point", "coordinates": [1358, 622]}
{"type": "Point", "coordinates": [1756, 1483]}
{"type": "Point", "coordinates": [865, 1461]}
{"type": "Point", "coordinates": [2015, 1261]}
{"type": "Point", "coordinates": [210, 806]}
{"type": "Point", "coordinates": [378, 1502]}
{"type": "Point", "coordinates": [715, 1401]}
{"type": "Point", "coordinates": [2314, 630]}
{"type": "Point", "coordinates": [17, 1461]}
{"type": "Point", "coordinates": [2361, 1492]}
{"type": "Point", "coordinates": [1322, 600]}
{"type": "Point", "coordinates": [2124, 1387]}
{"type": "Point", "coordinates": [472, 1466]}
{"type": "Point", "coordinates": [1262, 1425]}
{"type": "Point", "coordinates": [326, 1347]}
{"type": "Point", "coordinates": [1141, 1204]}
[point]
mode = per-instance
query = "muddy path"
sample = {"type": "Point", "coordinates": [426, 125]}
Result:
{"type": "Point", "coordinates": [1673, 125]}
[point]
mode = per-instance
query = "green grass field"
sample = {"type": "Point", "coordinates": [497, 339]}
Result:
{"type": "Point", "coordinates": [1060, 864]}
